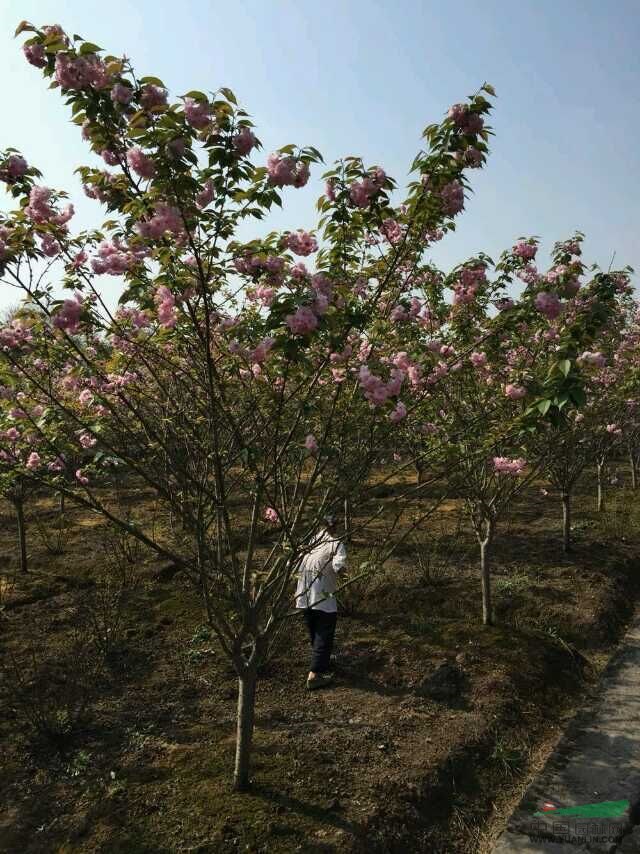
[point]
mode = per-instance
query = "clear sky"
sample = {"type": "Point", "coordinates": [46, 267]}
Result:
{"type": "Point", "coordinates": [364, 77]}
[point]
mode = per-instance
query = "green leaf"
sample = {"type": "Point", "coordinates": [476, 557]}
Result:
{"type": "Point", "coordinates": [89, 47]}
{"type": "Point", "coordinates": [228, 94]}
{"type": "Point", "coordinates": [488, 88]}
{"type": "Point", "coordinates": [543, 406]}
{"type": "Point", "coordinates": [24, 27]}
{"type": "Point", "coordinates": [565, 366]}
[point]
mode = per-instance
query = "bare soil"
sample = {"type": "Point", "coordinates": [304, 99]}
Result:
{"type": "Point", "coordinates": [429, 734]}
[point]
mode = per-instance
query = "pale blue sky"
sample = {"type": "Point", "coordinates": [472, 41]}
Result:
{"type": "Point", "coordinates": [364, 77]}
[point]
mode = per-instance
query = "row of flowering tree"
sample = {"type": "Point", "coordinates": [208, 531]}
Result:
{"type": "Point", "coordinates": [248, 387]}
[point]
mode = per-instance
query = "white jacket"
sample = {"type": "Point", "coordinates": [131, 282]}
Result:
{"type": "Point", "coordinates": [317, 573]}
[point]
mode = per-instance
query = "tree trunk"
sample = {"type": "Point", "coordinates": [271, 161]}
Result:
{"type": "Point", "coordinates": [420, 473]}
{"type": "Point", "coordinates": [22, 534]}
{"type": "Point", "coordinates": [634, 469]}
{"type": "Point", "coordinates": [244, 732]}
{"type": "Point", "coordinates": [347, 519]}
{"type": "Point", "coordinates": [485, 571]}
{"type": "Point", "coordinates": [600, 501]}
{"type": "Point", "coordinates": [566, 522]}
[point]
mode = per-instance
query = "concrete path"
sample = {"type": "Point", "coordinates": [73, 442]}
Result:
{"type": "Point", "coordinates": [598, 759]}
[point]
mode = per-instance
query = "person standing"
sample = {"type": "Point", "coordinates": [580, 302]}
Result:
{"type": "Point", "coordinates": [315, 596]}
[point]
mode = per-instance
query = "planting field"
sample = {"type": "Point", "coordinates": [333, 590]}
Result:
{"type": "Point", "coordinates": [423, 743]}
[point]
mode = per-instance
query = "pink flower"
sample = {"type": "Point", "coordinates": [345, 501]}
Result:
{"type": "Point", "coordinates": [121, 94]}
{"type": "Point", "coordinates": [311, 444]}
{"type": "Point", "coordinates": [197, 113]}
{"type": "Point", "coordinates": [87, 440]}
{"type": "Point", "coordinates": [588, 358]}
{"type": "Point", "coordinates": [548, 304]}
{"type": "Point", "coordinates": [478, 360]}
{"type": "Point", "coordinates": [166, 304]}
{"type": "Point", "coordinates": [81, 477]}
{"type": "Point", "coordinates": [68, 316]}
{"type": "Point", "coordinates": [14, 167]}
{"type": "Point", "coordinates": [39, 208]}
{"type": "Point", "coordinates": [33, 461]}
{"type": "Point", "coordinates": [85, 397]}
{"type": "Point", "coordinates": [49, 245]}
{"type": "Point", "coordinates": [330, 190]}
{"type": "Point", "coordinates": [286, 170]}
{"type": "Point", "coordinates": [165, 218]}
{"type": "Point", "coordinates": [244, 141]}
{"type": "Point", "coordinates": [56, 465]}
{"type": "Point", "coordinates": [398, 413]}
{"type": "Point", "coordinates": [525, 250]}
{"type": "Point", "coordinates": [271, 515]}
{"type": "Point", "coordinates": [152, 96]}
{"type": "Point", "coordinates": [505, 465]}
{"type": "Point", "coordinates": [206, 194]}
{"type": "Point", "coordinates": [452, 195]}
{"type": "Point", "coordinates": [302, 322]}
{"type": "Point", "coordinates": [109, 157]}
{"type": "Point", "coordinates": [515, 392]}
{"type": "Point", "coordinates": [301, 242]}
{"type": "Point", "coordinates": [141, 163]}
{"type": "Point", "coordinates": [35, 54]}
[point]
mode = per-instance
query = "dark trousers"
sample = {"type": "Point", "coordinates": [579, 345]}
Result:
{"type": "Point", "coordinates": [322, 628]}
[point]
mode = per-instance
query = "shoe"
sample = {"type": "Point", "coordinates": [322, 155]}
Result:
{"type": "Point", "coordinates": [321, 680]}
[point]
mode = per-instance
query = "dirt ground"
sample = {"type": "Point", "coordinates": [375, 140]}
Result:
{"type": "Point", "coordinates": [427, 737]}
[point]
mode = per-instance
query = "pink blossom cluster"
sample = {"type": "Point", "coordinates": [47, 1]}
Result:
{"type": "Point", "coordinates": [81, 72]}
{"type": "Point", "coordinates": [571, 247]}
{"type": "Point", "coordinates": [362, 192]}
{"type": "Point", "coordinates": [49, 245]}
{"type": "Point", "coordinates": [121, 93]}
{"type": "Point", "coordinates": [13, 168]}
{"type": "Point", "coordinates": [206, 194]}
{"type": "Point", "coordinates": [311, 444]}
{"type": "Point", "coordinates": [392, 230]}
{"type": "Point", "coordinates": [525, 250]}
{"type": "Point", "coordinates": [110, 157]}
{"type": "Point", "coordinates": [68, 316]}
{"type": "Point", "coordinates": [15, 335]}
{"type": "Point", "coordinates": [35, 54]}
{"type": "Point", "coordinates": [467, 121]}
{"type": "Point", "coordinates": [478, 359]}
{"type": "Point", "coordinates": [452, 196]}
{"type": "Point", "coordinates": [166, 305]}
{"type": "Point", "coordinates": [505, 465]}
{"type": "Point", "coordinates": [548, 304]}
{"type": "Point", "coordinates": [40, 210]}
{"type": "Point", "coordinates": [376, 390]}
{"type": "Point", "coordinates": [244, 141]}
{"type": "Point", "coordinates": [515, 392]}
{"type": "Point", "coordinates": [529, 274]}
{"type": "Point", "coordinates": [115, 259]}
{"type": "Point", "coordinates": [92, 191]}
{"type": "Point", "coordinates": [399, 413]}
{"type": "Point", "coordinates": [596, 360]}
{"type": "Point", "coordinates": [165, 218]}
{"type": "Point", "coordinates": [301, 242]}
{"type": "Point", "coordinates": [141, 163]}
{"type": "Point", "coordinates": [152, 96]}
{"type": "Point", "coordinates": [286, 170]}
{"type": "Point", "coordinates": [614, 429]}
{"type": "Point", "coordinates": [261, 351]}
{"type": "Point", "coordinates": [271, 515]}
{"type": "Point", "coordinates": [302, 322]}
{"type": "Point", "coordinates": [253, 265]}
{"type": "Point", "coordinates": [197, 113]}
